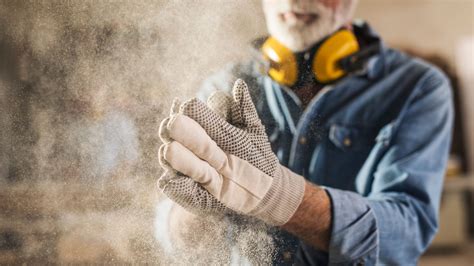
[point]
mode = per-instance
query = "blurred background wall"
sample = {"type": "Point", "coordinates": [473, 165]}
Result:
{"type": "Point", "coordinates": [432, 26]}
{"type": "Point", "coordinates": [83, 85]}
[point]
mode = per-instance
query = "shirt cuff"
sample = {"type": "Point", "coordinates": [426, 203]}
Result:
{"type": "Point", "coordinates": [354, 235]}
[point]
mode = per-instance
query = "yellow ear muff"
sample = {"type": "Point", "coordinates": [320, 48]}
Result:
{"type": "Point", "coordinates": [325, 63]}
{"type": "Point", "coordinates": [283, 65]}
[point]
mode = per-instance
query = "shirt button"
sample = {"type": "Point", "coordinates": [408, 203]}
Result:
{"type": "Point", "coordinates": [302, 140]}
{"type": "Point", "coordinates": [347, 142]}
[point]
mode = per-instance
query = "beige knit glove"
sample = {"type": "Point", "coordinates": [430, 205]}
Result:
{"type": "Point", "coordinates": [177, 186]}
{"type": "Point", "coordinates": [233, 161]}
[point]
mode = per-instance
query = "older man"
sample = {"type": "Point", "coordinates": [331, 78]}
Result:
{"type": "Point", "coordinates": [338, 140]}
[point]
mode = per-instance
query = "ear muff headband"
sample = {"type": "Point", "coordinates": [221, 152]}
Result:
{"type": "Point", "coordinates": [325, 67]}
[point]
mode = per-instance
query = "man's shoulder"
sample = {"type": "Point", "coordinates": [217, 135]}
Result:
{"type": "Point", "coordinates": [419, 84]}
{"type": "Point", "coordinates": [406, 65]}
{"type": "Point", "coordinates": [224, 79]}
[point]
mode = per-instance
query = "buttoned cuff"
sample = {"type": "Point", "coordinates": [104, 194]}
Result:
{"type": "Point", "coordinates": [354, 235]}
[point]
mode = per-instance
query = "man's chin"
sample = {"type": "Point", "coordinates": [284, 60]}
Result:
{"type": "Point", "coordinates": [300, 37]}
{"type": "Point", "coordinates": [296, 40]}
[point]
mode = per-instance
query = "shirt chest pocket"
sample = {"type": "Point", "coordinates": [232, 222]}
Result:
{"type": "Point", "coordinates": [341, 155]}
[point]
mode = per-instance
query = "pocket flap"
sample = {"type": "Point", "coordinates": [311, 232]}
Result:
{"type": "Point", "coordinates": [350, 138]}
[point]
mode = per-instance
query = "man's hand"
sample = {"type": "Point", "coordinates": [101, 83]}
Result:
{"type": "Point", "coordinates": [234, 162]}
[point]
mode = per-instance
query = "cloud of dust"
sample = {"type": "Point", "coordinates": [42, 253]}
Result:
{"type": "Point", "coordinates": [83, 85]}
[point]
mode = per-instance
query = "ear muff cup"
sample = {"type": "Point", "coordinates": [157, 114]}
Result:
{"type": "Point", "coordinates": [283, 64]}
{"type": "Point", "coordinates": [338, 46]}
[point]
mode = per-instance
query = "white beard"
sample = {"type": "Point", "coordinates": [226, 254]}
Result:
{"type": "Point", "coordinates": [299, 36]}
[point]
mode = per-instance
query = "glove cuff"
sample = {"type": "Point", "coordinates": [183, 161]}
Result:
{"type": "Point", "coordinates": [283, 198]}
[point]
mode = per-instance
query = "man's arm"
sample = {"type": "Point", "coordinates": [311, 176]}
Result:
{"type": "Point", "coordinates": [312, 220]}
{"type": "Point", "coordinates": [400, 210]}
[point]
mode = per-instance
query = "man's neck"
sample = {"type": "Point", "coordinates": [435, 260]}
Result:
{"type": "Point", "coordinates": [306, 92]}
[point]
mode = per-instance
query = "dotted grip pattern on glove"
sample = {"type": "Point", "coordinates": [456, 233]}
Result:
{"type": "Point", "coordinates": [190, 195]}
{"type": "Point", "coordinates": [242, 135]}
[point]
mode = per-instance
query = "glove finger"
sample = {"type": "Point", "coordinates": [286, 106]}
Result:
{"type": "Point", "coordinates": [246, 111]}
{"type": "Point", "coordinates": [220, 102]}
{"type": "Point", "coordinates": [231, 139]}
{"type": "Point", "coordinates": [163, 131]}
{"type": "Point", "coordinates": [161, 159]}
{"type": "Point", "coordinates": [192, 136]}
{"type": "Point", "coordinates": [166, 177]}
{"type": "Point", "coordinates": [175, 106]}
{"type": "Point", "coordinates": [191, 196]}
{"type": "Point", "coordinates": [183, 160]}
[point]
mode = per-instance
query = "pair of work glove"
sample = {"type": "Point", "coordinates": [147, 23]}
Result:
{"type": "Point", "coordinates": [218, 160]}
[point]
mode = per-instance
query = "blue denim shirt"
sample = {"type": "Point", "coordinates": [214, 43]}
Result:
{"type": "Point", "coordinates": [377, 141]}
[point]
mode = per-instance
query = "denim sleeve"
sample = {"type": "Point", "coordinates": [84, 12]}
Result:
{"type": "Point", "coordinates": [397, 219]}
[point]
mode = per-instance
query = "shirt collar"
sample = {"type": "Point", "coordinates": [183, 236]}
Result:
{"type": "Point", "coordinates": [365, 34]}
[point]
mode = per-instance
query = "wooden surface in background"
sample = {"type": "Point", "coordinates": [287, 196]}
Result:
{"type": "Point", "coordinates": [51, 222]}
